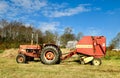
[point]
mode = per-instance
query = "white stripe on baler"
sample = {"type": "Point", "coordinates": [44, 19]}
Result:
{"type": "Point", "coordinates": [84, 46]}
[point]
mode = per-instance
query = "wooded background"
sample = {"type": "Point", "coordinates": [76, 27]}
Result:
{"type": "Point", "coordinates": [14, 33]}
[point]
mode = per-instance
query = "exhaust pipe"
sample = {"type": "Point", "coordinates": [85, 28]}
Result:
{"type": "Point", "coordinates": [32, 39]}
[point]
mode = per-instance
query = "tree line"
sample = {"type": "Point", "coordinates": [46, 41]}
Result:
{"type": "Point", "coordinates": [14, 33]}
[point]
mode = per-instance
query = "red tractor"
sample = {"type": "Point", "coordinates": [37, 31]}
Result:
{"type": "Point", "coordinates": [90, 49]}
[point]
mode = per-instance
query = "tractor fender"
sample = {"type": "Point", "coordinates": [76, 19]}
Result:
{"type": "Point", "coordinates": [45, 45]}
{"type": "Point", "coordinates": [21, 51]}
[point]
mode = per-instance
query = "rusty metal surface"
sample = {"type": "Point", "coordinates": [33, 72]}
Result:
{"type": "Point", "coordinates": [36, 49]}
{"type": "Point", "coordinates": [30, 47]}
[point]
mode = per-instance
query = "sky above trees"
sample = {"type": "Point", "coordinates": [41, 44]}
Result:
{"type": "Point", "coordinates": [91, 17]}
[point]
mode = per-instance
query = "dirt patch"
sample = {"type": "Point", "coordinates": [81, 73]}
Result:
{"type": "Point", "coordinates": [9, 53]}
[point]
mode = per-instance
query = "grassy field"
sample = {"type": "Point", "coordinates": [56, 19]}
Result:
{"type": "Point", "coordinates": [110, 68]}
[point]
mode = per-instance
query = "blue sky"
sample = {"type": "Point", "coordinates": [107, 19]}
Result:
{"type": "Point", "coordinates": [91, 17]}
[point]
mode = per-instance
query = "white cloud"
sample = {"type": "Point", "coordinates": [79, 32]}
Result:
{"type": "Point", "coordinates": [44, 26]}
{"type": "Point", "coordinates": [3, 7]}
{"type": "Point", "coordinates": [28, 25]}
{"type": "Point", "coordinates": [67, 11]}
{"type": "Point", "coordinates": [110, 12]}
{"type": "Point", "coordinates": [29, 4]}
{"type": "Point", "coordinates": [24, 10]}
{"type": "Point", "coordinates": [15, 9]}
{"type": "Point", "coordinates": [113, 11]}
{"type": "Point", "coordinates": [96, 9]}
{"type": "Point", "coordinates": [93, 31]}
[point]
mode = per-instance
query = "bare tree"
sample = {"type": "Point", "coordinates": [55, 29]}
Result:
{"type": "Point", "coordinates": [79, 35]}
{"type": "Point", "coordinates": [49, 37]}
{"type": "Point", "coordinates": [115, 43]}
{"type": "Point", "coordinates": [67, 36]}
{"type": "Point", "coordinates": [3, 24]}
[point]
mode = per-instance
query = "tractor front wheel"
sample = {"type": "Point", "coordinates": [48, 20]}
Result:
{"type": "Point", "coordinates": [96, 61]}
{"type": "Point", "coordinates": [21, 58]}
{"type": "Point", "coordinates": [50, 55]}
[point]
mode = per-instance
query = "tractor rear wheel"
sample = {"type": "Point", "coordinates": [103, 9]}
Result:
{"type": "Point", "coordinates": [21, 58]}
{"type": "Point", "coordinates": [50, 55]}
{"type": "Point", "coordinates": [96, 61]}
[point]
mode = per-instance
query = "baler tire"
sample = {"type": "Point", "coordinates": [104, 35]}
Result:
{"type": "Point", "coordinates": [50, 55]}
{"type": "Point", "coordinates": [96, 62]}
{"type": "Point", "coordinates": [21, 58]}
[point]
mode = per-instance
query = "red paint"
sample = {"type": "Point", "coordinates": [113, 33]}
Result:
{"type": "Point", "coordinates": [99, 46]}
{"type": "Point", "coordinates": [26, 49]}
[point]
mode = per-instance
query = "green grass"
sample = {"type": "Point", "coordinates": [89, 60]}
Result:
{"type": "Point", "coordinates": [1, 51]}
{"type": "Point", "coordinates": [112, 55]}
{"type": "Point", "coordinates": [10, 69]}
{"type": "Point", "coordinates": [66, 69]}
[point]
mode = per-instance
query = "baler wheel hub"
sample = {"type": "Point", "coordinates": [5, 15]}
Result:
{"type": "Point", "coordinates": [96, 62]}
